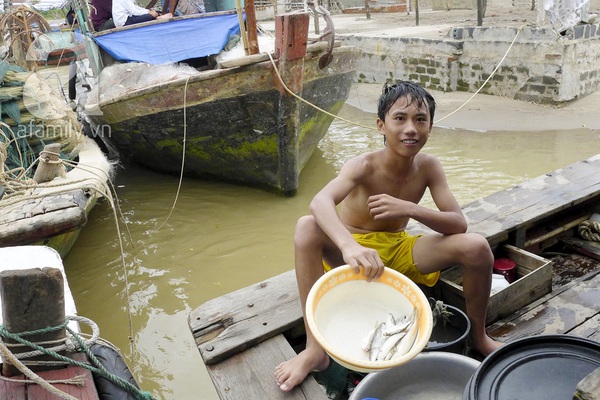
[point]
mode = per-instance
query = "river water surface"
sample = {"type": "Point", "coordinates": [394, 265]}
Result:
{"type": "Point", "coordinates": [222, 237]}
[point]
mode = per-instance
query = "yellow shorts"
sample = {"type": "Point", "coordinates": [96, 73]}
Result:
{"type": "Point", "coordinates": [395, 250]}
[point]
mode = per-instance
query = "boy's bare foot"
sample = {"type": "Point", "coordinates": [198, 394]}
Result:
{"type": "Point", "coordinates": [165, 16]}
{"type": "Point", "coordinates": [486, 345]}
{"type": "Point", "coordinates": [290, 373]}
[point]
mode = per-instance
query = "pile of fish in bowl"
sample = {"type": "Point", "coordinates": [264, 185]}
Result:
{"type": "Point", "coordinates": [369, 326]}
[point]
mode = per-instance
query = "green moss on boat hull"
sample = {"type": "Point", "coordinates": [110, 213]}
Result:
{"type": "Point", "coordinates": [243, 136]}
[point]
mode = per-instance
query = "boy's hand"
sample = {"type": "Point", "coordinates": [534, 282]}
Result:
{"type": "Point", "coordinates": [368, 258]}
{"type": "Point", "coordinates": [384, 206]}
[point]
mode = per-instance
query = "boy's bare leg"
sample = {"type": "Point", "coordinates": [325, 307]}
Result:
{"type": "Point", "coordinates": [309, 243]}
{"type": "Point", "coordinates": [473, 252]}
{"type": "Point", "coordinates": [477, 282]}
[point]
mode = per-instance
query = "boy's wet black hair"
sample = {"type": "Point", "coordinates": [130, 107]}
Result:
{"type": "Point", "coordinates": [413, 91]}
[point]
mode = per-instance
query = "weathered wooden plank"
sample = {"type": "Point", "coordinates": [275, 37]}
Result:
{"type": "Point", "coordinates": [523, 205]}
{"type": "Point", "coordinates": [585, 247]}
{"type": "Point", "coordinates": [42, 205]}
{"type": "Point", "coordinates": [529, 202]}
{"type": "Point", "coordinates": [559, 313]}
{"type": "Point", "coordinates": [241, 319]}
{"type": "Point", "coordinates": [589, 329]}
{"type": "Point", "coordinates": [589, 387]}
{"type": "Point", "coordinates": [38, 219]}
{"type": "Point", "coordinates": [31, 230]}
{"type": "Point", "coordinates": [250, 375]}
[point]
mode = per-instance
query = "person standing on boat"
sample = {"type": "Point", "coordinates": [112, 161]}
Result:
{"type": "Point", "coordinates": [101, 15]}
{"type": "Point", "coordinates": [71, 18]}
{"type": "Point", "coordinates": [126, 12]}
{"type": "Point", "coordinates": [378, 193]}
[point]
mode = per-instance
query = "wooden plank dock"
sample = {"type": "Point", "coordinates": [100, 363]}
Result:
{"type": "Point", "coordinates": [244, 335]}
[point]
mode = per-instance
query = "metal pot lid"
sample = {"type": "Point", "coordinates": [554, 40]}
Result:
{"type": "Point", "coordinates": [533, 368]}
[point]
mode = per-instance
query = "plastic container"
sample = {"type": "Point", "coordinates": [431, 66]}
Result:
{"type": "Point", "coordinates": [506, 267]}
{"type": "Point", "coordinates": [434, 375]}
{"type": "Point", "coordinates": [452, 336]}
{"type": "Point", "coordinates": [499, 282]}
{"type": "Point", "coordinates": [547, 367]}
{"type": "Point", "coordinates": [339, 319]}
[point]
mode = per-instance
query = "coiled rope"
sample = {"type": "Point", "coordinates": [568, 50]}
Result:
{"type": "Point", "coordinates": [589, 230]}
{"type": "Point", "coordinates": [73, 343]}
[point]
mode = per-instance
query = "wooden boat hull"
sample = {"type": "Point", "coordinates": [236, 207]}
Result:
{"type": "Point", "coordinates": [240, 124]}
{"type": "Point", "coordinates": [54, 214]}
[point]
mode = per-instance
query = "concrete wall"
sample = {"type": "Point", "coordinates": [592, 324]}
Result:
{"type": "Point", "coordinates": [454, 4]}
{"type": "Point", "coordinates": [542, 66]}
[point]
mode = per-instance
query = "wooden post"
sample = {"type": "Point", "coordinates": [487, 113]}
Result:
{"type": "Point", "coordinates": [244, 36]}
{"type": "Point", "coordinates": [32, 299]}
{"type": "Point", "coordinates": [316, 17]}
{"type": "Point", "coordinates": [48, 166]}
{"type": "Point", "coordinates": [417, 12]}
{"type": "Point", "coordinates": [291, 39]}
{"type": "Point", "coordinates": [291, 36]}
{"type": "Point", "coordinates": [481, 5]}
{"type": "Point", "coordinates": [251, 27]}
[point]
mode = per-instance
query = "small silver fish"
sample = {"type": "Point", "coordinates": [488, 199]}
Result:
{"type": "Point", "coordinates": [409, 339]}
{"type": "Point", "coordinates": [390, 321]}
{"type": "Point", "coordinates": [402, 324]}
{"type": "Point", "coordinates": [389, 346]}
{"type": "Point", "coordinates": [368, 340]}
{"type": "Point", "coordinates": [377, 342]}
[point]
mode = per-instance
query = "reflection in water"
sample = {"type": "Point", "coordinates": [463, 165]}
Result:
{"type": "Point", "coordinates": [222, 237]}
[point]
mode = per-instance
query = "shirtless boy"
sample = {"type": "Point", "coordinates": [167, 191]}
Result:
{"type": "Point", "coordinates": [379, 192]}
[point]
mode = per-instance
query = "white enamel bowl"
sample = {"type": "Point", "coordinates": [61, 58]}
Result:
{"type": "Point", "coordinates": [342, 307]}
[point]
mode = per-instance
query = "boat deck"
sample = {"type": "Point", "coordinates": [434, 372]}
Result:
{"type": "Point", "coordinates": [244, 335]}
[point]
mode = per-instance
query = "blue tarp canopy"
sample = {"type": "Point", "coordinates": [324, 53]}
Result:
{"type": "Point", "coordinates": [171, 41]}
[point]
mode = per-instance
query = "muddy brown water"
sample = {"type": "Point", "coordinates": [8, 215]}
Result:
{"type": "Point", "coordinates": [222, 237]}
